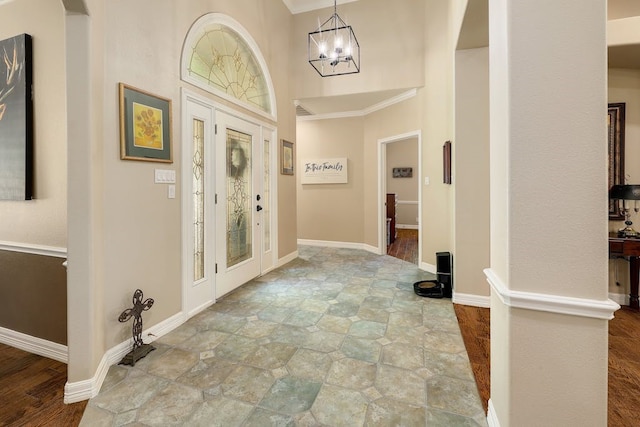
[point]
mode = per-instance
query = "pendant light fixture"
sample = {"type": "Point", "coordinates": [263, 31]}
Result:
{"type": "Point", "coordinates": [333, 48]}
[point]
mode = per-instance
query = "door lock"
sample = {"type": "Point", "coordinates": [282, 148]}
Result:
{"type": "Point", "coordinates": [259, 208]}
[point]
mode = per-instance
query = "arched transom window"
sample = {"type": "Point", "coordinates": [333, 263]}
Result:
{"type": "Point", "coordinates": [221, 57]}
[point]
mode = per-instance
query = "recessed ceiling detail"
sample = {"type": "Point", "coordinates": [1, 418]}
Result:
{"type": "Point", "coordinates": [301, 6]}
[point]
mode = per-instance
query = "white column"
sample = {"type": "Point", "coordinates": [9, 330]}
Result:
{"type": "Point", "coordinates": [549, 305]}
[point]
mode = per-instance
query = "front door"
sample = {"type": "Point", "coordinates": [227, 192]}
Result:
{"type": "Point", "coordinates": [239, 182]}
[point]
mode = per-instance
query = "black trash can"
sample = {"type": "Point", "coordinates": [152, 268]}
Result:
{"type": "Point", "coordinates": [442, 287]}
{"type": "Point", "coordinates": [444, 272]}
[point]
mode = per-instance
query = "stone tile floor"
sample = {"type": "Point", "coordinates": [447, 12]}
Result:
{"type": "Point", "coordinates": [337, 337]}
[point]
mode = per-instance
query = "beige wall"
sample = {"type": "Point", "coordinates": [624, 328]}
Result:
{"type": "Point", "coordinates": [624, 86]}
{"type": "Point", "coordinates": [391, 37]}
{"type": "Point", "coordinates": [471, 167]}
{"type": "Point", "coordinates": [142, 226]}
{"type": "Point", "coordinates": [42, 221]}
{"type": "Point", "coordinates": [401, 154]}
{"type": "Point", "coordinates": [331, 212]}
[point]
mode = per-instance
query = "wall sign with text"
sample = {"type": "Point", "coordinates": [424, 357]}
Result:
{"type": "Point", "coordinates": [324, 171]}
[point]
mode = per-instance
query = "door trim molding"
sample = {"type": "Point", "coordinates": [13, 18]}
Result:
{"type": "Point", "coordinates": [382, 163]}
{"type": "Point", "coordinates": [188, 95]}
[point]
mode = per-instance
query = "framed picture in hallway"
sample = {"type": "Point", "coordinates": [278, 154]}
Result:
{"type": "Point", "coordinates": [16, 118]}
{"type": "Point", "coordinates": [615, 136]}
{"type": "Point", "coordinates": [287, 158]}
{"type": "Point", "coordinates": [145, 126]}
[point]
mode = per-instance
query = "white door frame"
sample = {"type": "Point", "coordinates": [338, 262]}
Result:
{"type": "Point", "coordinates": [382, 189]}
{"type": "Point", "coordinates": [186, 192]}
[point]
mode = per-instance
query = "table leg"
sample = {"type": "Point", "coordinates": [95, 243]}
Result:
{"type": "Point", "coordinates": [634, 278]}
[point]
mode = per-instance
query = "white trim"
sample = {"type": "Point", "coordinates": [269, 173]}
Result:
{"type": "Point", "coordinates": [492, 416]}
{"type": "Point", "coordinates": [287, 258]}
{"type": "Point", "coordinates": [471, 300]}
{"type": "Point", "coordinates": [328, 116]}
{"type": "Point", "coordinates": [372, 249]}
{"type": "Point", "coordinates": [391, 101]}
{"type": "Point", "coordinates": [622, 299]}
{"type": "Point", "coordinates": [222, 19]}
{"type": "Point", "coordinates": [407, 226]}
{"type": "Point", "coordinates": [86, 389]}
{"type": "Point", "coordinates": [360, 113]}
{"type": "Point", "coordinates": [598, 309]}
{"type": "Point", "coordinates": [34, 345]}
{"type": "Point", "coordinates": [428, 267]}
{"type": "Point", "coordinates": [342, 245]}
{"type": "Point", "coordinates": [407, 202]}
{"type": "Point", "coordinates": [29, 248]}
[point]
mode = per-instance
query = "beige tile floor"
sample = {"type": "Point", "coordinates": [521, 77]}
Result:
{"type": "Point", "coordinates": [335, 338]}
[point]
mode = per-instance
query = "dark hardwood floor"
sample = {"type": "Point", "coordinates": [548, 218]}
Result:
{"type": "Point", "coordinates": [32, 391]}
{"type": "Point", "coordinates": [624, 359]}
{"type": "Point", "coordinates": [405, 246]}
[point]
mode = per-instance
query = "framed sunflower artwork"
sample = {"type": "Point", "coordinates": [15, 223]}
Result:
{"type": "Point", "coordinates": [145, 126]}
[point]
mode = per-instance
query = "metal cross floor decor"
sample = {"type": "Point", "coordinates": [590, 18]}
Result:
{"type": "Point", "coordinates": [140, 349]}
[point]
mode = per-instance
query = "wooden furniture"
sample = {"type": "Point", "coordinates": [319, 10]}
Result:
{"type": "Point", "coordinates": [628, 247]}
{"type": "Point", "coordinates": [392, 202]}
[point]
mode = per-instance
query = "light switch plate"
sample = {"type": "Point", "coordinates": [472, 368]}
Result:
{"type": "Point", "coordinates": [165, 176]}
{"type": "Point", "coordinates": [171, 191]}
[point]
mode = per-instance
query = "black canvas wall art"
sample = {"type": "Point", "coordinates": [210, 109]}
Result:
{"type": "Point", "coordinates": [16, 123]}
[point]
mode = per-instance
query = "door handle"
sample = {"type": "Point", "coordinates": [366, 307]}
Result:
{"type": "Point", "coordinates": [258, 208]}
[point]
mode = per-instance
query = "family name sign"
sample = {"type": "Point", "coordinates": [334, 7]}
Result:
{"type": "Point", "coordinates": [324, 171]}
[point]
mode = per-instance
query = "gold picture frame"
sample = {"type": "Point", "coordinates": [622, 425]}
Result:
{"type": "Point", "coordinates": [287, 157]}
{"type": "Point", "coordinates": [145, 125]}
{"type": "Point", "coordinates": [615, 136]}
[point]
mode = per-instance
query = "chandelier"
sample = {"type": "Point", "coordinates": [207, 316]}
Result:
{"type": "Point", "coordinates": [333, 48]}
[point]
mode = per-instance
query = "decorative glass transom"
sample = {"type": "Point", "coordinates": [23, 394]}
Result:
{"type": "Point", "coordinates": [220, 58]}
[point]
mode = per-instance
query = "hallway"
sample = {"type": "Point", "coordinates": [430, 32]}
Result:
{"type": "Point", "coordinates": [336, 337]}
{"type": "Point", "coordinates": [405, 246]}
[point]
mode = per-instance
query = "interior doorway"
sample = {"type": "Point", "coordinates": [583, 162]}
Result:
{"type": "Point", "coordinates": [400, 196]}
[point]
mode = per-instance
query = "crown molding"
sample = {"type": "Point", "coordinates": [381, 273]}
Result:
{"type": "Point", "coordinates": [359, 113]}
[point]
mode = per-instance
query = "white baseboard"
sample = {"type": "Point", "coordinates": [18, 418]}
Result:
{"type": "Point", "coordinates": [471, 300]}
{"type": "Point", "coordinates": [622, 299]}
{"type": "Point", "coordinates": [428, 267]}
{"type": "Point", "coordinates": [287, 258]}
{"type": "Point", "coordinates": [407, 226]}
{"type": "Point", "coordinates": [373, 249]}
{"type": "Point", "coordinates": [343, 245]}
{"type": "Point", "coordinates": [86, 389]}
{"type": "Point", "coordinates": [200, 309]}
{"type": "Point", "coordinates": [34, 345]}
{"type": "Point", "coordinates": [332, 244]}
{"type": "Point", "coordinates": [492, 417]}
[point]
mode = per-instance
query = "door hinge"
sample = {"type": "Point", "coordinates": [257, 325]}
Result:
{"type": "Point", "coordinates": [215, 129]}
{"type": "Point", "coordinates": [216, 268]}
{"type": "Point", "coordinates": [216, 199]}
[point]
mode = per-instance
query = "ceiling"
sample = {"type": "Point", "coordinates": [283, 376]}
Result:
{"type": "Point", "coordinates": [474, 34]}
{"type": "Point", "coordinates": [300, 6]}
{"type": "Point", "coordinates": [356, 104]}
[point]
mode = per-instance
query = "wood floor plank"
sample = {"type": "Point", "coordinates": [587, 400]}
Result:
{"type": "Point", "coordinates": [624, 359]}
{"type": "Point", "coordinates": [32, 391]}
